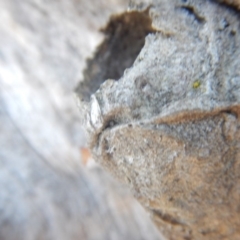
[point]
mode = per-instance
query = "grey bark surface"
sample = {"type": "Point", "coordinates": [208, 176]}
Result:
{"type": "Point", "coordinates": [46, 193]}
{"type": "Point", "coordinates": [169, 127]}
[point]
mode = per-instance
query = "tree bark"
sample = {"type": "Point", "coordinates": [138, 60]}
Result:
{"type": "Point", "coordinates": [169, 125]}
{"type": "Point", "coordinates": [46, 193]}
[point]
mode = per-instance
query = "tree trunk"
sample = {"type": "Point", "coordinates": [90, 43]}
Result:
{"type": "Point", "coordinates": [46, 193]}
{"type": "Point", "coordinates": [168, 125]}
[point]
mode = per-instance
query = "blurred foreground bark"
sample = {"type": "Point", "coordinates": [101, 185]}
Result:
{"type": "Point", "coordinates": [46, 193]}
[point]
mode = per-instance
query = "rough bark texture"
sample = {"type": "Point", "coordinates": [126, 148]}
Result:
{"type": "Point", "coordinates": [169, 127]}
{"type": "Point", "coordinates": [235, 3]}
{"type": "Point", "coordinates": [46, 193]}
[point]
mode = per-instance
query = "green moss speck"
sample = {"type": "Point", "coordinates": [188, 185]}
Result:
{"type": "Point", "coordinates": [196, 84]}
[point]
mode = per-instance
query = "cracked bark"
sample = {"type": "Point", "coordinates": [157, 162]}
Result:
{"type": "Point", "coordinates": [169, 126]}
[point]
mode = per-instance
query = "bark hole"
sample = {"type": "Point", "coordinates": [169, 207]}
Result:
{"type": "Point", "coordinates": [124, 38]}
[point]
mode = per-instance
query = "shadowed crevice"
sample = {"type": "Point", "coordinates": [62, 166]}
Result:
{"type": "Point", "coordinates": [124, 38]}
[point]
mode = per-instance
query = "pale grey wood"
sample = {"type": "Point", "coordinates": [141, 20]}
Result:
{"type": "Point", "coordinates": [46, 193]}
